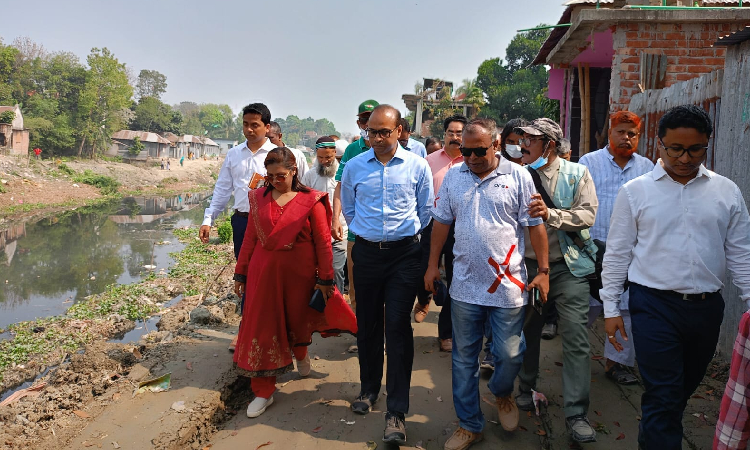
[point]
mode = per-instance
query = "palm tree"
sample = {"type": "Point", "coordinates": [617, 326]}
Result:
{"type": "Point", "coordinates": [474, 95]}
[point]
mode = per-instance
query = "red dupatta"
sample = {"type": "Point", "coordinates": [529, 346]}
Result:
{"type": "Point", "coordinates": [282, 235]}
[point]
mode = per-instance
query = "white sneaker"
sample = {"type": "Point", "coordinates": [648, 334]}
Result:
{"type": "Point", "coordinates": [258, 406]}
{"type": "Point", "coordinates": [303, 367]}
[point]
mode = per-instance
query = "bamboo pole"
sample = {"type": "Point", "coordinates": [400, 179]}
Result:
{"type": "Point", "coordinates": [581, 95]}
{"type": "Point", "coordinates": [588, 109]}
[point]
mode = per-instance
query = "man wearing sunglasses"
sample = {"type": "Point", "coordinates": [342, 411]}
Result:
{"type": "Point", "coordinates": [489, 198]}
{"type": "Point", "coordinates": [674, 234]}
{"type": "Point", "coordinates": [386, 196]}
{"type": "Point", "coordinates": [337, 229]}
{"type": "Point", "coordinates": [571, 196]}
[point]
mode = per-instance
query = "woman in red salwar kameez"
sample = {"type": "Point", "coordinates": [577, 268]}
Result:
{"type": "Point", "coordinates": [285, 256]}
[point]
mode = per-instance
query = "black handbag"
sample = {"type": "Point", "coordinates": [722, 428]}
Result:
{"type": "Point", "coordinates": [317, 301]}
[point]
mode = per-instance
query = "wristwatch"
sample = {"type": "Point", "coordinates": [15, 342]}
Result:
{"type": "Point", "coordinates": [544, 271]}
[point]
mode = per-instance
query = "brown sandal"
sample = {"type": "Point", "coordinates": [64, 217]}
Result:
{"type": "Point", "coordinates": [420, 312]}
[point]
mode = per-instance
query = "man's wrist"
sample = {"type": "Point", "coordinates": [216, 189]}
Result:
{"type": "Point", "coordinates": [543, 271]}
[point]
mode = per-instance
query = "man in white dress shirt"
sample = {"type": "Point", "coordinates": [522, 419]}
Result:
{"type": "Point", "coordinates": [236, 174]}
{"type": "Point", "coordinates": [673, 234]}
{"type": "Point", "coordinates": [611, 167]}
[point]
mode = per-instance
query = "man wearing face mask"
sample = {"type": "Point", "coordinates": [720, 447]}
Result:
{"type": "Point", "coordinates": [510, 146]}
{"type": "Point", "coordinates": [569, 190]}
{"type": "Point", "coordinates": [612, 167]}
{"type": "Point", "coordinates": [337, 227]}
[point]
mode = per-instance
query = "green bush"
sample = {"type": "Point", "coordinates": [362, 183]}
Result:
{"type": "Point", "coordinates": [65, 169]}
{"type": "Point", "coordinates": [225, 230]}
{"type": "Point", "coordinates": [107, 185]}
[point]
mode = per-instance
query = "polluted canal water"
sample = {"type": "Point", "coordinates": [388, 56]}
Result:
{"type": "Point", "coordinates": [48, 265]}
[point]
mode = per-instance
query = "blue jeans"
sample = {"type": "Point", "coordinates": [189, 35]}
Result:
{"type": "Point", "coordinates": [508, 347]}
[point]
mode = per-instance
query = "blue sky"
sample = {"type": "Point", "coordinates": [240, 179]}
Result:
{"type": "Point", "coordinates": [317, 58]}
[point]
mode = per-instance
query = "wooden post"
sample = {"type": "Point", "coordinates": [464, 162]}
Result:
{"type": "Point", "coordinates": [587, 86]}
{"type": "Point", "coordinates": [582, 95]}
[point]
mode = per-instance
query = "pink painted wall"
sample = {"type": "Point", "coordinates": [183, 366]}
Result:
{"type": "Point", "coordinates": [598, 54]}
{"type": "Point", "coordinates": [556, 84]}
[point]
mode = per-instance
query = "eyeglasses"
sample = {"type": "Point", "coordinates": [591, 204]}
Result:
{"type": "Point", "coordinates": [479, 151]}
{"type": "Point", "coordinates": [383, 134]}
{"type": "Point", "coordinates": [696, 151]}
{"type": "Point", "coordinates": [277, 177]}
{"type": "Point", "coordinates": [453, 133]}
{"type": "Point", "coordinates": [529, 141]}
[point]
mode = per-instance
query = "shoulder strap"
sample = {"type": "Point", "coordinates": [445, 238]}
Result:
{"type": "Point", "coordinates": [540, 189]}
{"type": "Point", "coordinates": [550, 204]}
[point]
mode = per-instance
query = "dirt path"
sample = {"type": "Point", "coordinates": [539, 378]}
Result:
{"type": "Point", "coordinates": [314, 413]}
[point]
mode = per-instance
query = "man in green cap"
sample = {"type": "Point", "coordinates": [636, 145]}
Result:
{"type": "Point", "coordinates": [354, 149]}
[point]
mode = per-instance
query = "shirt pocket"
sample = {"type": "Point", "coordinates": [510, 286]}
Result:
{"type": "Point", "coordinates": [401, 196]}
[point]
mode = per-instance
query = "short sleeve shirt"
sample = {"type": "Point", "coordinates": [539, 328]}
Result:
{"type": "Point", "coordinates": [490, 214]}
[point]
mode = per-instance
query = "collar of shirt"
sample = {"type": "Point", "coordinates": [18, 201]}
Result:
{"type": "Point", "coordinates": [266, 147]}
{"type": "Point", "coordinates": [611, 158]}
{"type": "Point", "coordinates": [551, 169]}
{"type": "Point", "coordinates": [444, 155]}
{"type": "Point", "coordinates": [659, 172]}
{"type": "Point", "coordinates": [399, 154]}
{"type": "Point", "coordinates": [503, 168]}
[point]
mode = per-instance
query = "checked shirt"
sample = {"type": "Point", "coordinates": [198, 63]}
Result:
{"type": "Point", "coordinates": [733, 427]}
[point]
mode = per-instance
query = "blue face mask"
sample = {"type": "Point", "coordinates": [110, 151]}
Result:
{"type": "Point", "coordinates": [541, 161]}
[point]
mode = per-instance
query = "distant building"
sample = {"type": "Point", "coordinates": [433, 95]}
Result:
{"type": "Point", "coordinates": [423, 104]}
{"type": "Point", "coordinates": [14, 138]}
{"type": "Point", "coordinates": [154, 146]}
{"type": "Point", "coordinates": [226, 144]}
{"type": "Point", "coordinates": [603, 53]}
{"type": "Point", "coordinates": [188, 144]}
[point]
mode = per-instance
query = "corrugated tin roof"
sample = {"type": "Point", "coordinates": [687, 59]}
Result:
{"type": "Point", "coordinates": [144, 136]}
{"type": "Point", "coordinates": [735, 38]}
{"type": "Point", "coordinates": [554, 38]}
{"type": "Point", "coordinates": [720, 2]}
{"type": "Point", "coordinates": [208, 141]}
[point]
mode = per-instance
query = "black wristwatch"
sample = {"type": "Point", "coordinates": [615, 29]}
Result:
{"type": "Point", "coordinates": [544, 271]}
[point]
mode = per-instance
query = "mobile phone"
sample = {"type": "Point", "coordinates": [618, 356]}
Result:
{"type": "Point", "coordinates": [536, 301]}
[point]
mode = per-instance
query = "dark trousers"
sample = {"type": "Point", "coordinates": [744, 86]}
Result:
{"type": "Point", "coordinates": [674, 342]}
{"type": "Point", "coordinates": [445, 325]}
{"type": "Point", "coordinates": [386, 279]}
{"type": "Point", "coordinates": [239, 225]}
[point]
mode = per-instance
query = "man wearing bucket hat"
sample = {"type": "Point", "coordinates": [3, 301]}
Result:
{"type": "Point", "coordinates": [337, 228]}
{"type": "Point", "coordinates": [568, 208]}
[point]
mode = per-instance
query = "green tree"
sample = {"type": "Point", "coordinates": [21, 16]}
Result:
{"type": "Point", "coordinates": [151, 114]}
{"type": "Point", "coordinates": [474, 94]}
{"type": "Point", "coordinates": [105, 94]}
{"type": "Point", "coordinates": [136, 148]}
{"type": "Point", "coordinates": [513, 88]}
{"type": "Point", "coordinates": [151, 83]}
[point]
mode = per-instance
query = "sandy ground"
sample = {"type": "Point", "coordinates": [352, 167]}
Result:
{"type": "Point", "coordinates": [314, 412]}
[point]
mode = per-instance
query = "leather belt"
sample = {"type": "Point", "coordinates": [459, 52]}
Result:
{"type": "Point", "coordinates": [388, 244]}
{"type": "Point", "coordinates": [687, 297]}
{"type": "Point", "coordinates": [240, 213]}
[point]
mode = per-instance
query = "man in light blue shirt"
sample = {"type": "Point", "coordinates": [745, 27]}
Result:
{"type": "Point", "coordinates": [386, 196]}
{"type": "Point", "coordinates": [408, 143]}
{"type": "Point", "coordinates": [610, 168]}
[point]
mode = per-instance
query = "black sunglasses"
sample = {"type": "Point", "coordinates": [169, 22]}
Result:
{"type": "Point", "coordinates": [479, 151]}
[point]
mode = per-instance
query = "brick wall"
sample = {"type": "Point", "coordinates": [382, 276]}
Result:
{"type": "Point", "coordinates": [687, 47]}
